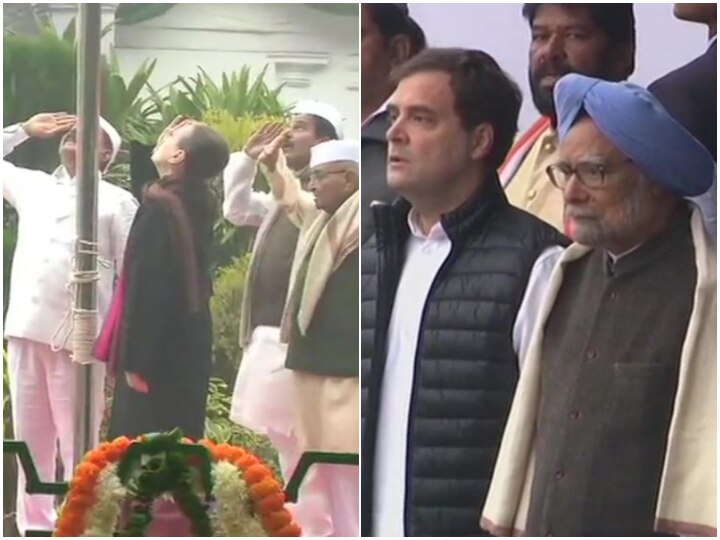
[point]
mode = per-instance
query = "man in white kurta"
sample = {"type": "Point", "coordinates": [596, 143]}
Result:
{"type": "Point", "coordinates": [37, 327]}
{"type": "Point", "coordinates": [262, 376]}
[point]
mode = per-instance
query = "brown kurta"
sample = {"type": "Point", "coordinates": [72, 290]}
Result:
{"type": "Point", "coordinates": [609, 373]}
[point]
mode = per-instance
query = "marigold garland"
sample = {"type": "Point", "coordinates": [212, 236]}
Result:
{"type": "Point", "coordinates": [243, 499]}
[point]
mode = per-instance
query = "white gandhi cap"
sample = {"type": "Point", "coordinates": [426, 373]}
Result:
{"type": "Point", "coordinates": [113, 135]}
{"type": "Point", "coordinates": [332, 151]}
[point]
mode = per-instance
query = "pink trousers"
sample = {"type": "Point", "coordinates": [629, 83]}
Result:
{"type": "Point", "coordinates": [43, 396]}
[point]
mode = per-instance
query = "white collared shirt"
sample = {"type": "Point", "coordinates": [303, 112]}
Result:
{"type": "Point", "coordinates": [425, 255]}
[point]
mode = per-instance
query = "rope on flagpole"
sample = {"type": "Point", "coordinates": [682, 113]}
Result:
{"type": "Point", "coordinates": [83, 322]}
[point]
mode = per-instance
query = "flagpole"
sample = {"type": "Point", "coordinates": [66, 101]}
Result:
{"type": "Point", "coordinates": [85, 272]}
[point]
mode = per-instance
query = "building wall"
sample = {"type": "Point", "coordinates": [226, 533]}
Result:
{"type": "Point", "coordinates": [313, 52]}
{"type": "Point", "coordinates": [663, 42]}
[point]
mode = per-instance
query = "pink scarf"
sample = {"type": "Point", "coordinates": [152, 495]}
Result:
{"type": "Point", "coordinates": [107, 345]}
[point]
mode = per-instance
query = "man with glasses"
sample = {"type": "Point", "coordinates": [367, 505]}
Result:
{"type": "Point", "coordinates": [593, 39]}
{"type": "Point", "coordinates": [320, 325]}
{"type": "Point", "coordinates": [612, 430]}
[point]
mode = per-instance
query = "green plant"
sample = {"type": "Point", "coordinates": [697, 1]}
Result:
{"type": "Point", "coordinates": [225, 306]}
{"type": "Point", "coordinates": [123, 106]}
{"type": "Point", "coordinates": [48, 62]}
{"type": "Point", "coordinates": [39, 76]}
{"type": "Point", "coordinates": [237, 94]}
{"type": "Point", "coordinates": [221, 429]}
{"type": "Point", "coordinates": [237, 129]}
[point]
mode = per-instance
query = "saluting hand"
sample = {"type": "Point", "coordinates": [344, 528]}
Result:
{"type": "Point", "coordinates": [48, 125]}
{"type": "Point", "coordinates": [271, 152]}
{"type": "Point", "coordinates": [262, 137]}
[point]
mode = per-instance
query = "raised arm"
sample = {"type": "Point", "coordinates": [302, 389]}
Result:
{"type": "Point", "coordinates": [19, 183]}
{"type": "Point", "coordinates": [286, 188]}
{"type": "Point", "coordinates": [242, 205]}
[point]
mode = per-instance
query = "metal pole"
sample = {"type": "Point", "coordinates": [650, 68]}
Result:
{"type": "Point", "coordinates": [88, 107]}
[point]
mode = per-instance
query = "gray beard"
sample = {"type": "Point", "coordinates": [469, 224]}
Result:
{"type": "Point", "coordinates": [633, 215]}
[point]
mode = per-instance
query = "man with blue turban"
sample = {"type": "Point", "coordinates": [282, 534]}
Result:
{"type": "Point", "coordinates": [613, 426]}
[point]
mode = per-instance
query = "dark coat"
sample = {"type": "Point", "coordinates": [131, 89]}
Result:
{"type": "Point", "coordinates": [690, 94]}
{"type": "Point", "coordinates": [161, 340]}
{"type": "Point", "coordinates": [374, 171]}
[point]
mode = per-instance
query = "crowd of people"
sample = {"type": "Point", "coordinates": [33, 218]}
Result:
{"type": "Point", "coordinates": [538, 312]}
{"type": "Point", "coordinates": [299, 324]}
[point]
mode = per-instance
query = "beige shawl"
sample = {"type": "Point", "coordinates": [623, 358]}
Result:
{"type": "Point", "coordinates": [325, 240]}
{"type": "Point", "coordinates": [687, 498]}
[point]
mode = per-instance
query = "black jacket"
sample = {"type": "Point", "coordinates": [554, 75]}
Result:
{"type": "Point", "coordinates": [465, 365]}
{"type": "Point", "coordinates": [374, 171]}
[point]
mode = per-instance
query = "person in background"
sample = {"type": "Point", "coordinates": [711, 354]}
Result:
{"type": "Point", "coordinates": [321, 324]}
{"type": "Point", "coordinates": [593, 39]}
{"type": "Point", "coordinates": [160, 344]}
{"type": "Point", "coordinates": [43, 389]}
{"type": "Point", "coordinates": [418, 42]}
{"type": "Point", "coordinates": [389, 37]}
{"type": "Point", "coordinates": [689, 93]}
{"type": "Point", "coordinates": [612, 431]}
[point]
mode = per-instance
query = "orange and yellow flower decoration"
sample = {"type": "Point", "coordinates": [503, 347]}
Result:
{"type": "Point", "coordinates": [244, 497]}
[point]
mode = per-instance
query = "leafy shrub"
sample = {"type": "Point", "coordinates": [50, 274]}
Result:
{"type": "Point", "coordinates": [225, 305]}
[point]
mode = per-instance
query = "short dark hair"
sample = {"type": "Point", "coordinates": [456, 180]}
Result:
{"type": "Point", "coordinates": [207, 152]}
{"type": "Point", "coordinates": [389, 18]}
{"type": "Point", "coordinates": [323, 128]}
{"type": "Point", "coordinates": [616, 20]}
{"type": "Point", "coordinates": [417, 37]}
{"type": "Point", "coordinates": [483, 92]}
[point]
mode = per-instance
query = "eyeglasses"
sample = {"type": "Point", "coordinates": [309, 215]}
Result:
{"type": "Point", "coordinates": [321, 175]}
{"type": "Point", "coordinates": [591, 175]}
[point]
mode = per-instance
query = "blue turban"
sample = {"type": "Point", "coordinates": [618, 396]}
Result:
{"type": "Point", "coordinates": [640, 127]}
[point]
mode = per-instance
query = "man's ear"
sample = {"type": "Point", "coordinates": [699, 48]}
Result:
{"type": "Point", "coordinates": [352, 181]}
{"type": "Point", "coordinates": [481, 141]}
{"type": "Point", "coordinates": [104, 158]}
